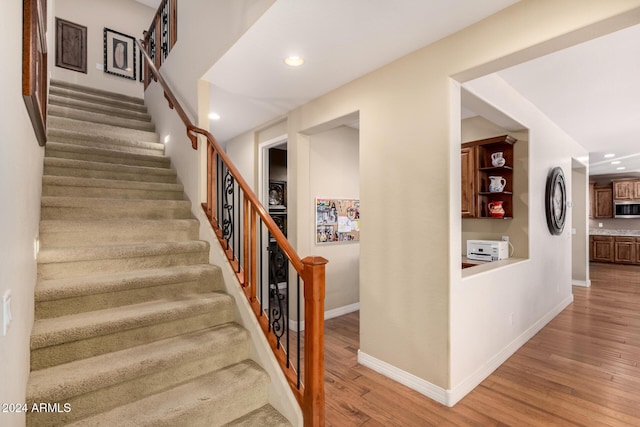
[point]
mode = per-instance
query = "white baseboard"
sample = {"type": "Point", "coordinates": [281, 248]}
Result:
{"type": "Point", "coordinates": [453, 396]}
{"type": "Point", "coordinates": [584, 283]}
{"type": "Point", "coordinates": [430, 390]}
{"type": "Point", "coordinates": [330, 314]}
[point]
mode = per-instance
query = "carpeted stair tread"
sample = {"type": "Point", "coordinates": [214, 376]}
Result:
{"type": "Point", "coordinates": [70, 254]}
{"type": "Point", "coordinates": [55, 289]}
{"type": "Point", "coordinates": [96, 232]}
{"type": "Point", "coordinates": [73, 181]}
{"type": "Point", "coordinates": [59, 383]}
{"type": "Point", "coordinates": [73, 186]}
{"type": "Point", "coordinates": [97, 107]}
{"type": "Point", "coordinates": [79, 208]}
{"type": "Point", "coordinates": [59, 330]}
{"type": "Point", "coordinates": [75, 89]}
{"type": "Point", "coordinates": [79, 152]}
{"type": "Point", "coordinates": [208, 401]}
{"type": "Point", "coordinates": [100, 118]}
{"type": "Point", "coordinates": [261, 417]}
{"type": "Point", "coordinates": [105, 141]}
{"type": "Point", "coordinates": [55, 122]}
{"type": "Point", "coordinates": [53, 162]}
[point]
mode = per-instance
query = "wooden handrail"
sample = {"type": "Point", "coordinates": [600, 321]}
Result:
{"type": "Point", "coordinates": [310, 394]}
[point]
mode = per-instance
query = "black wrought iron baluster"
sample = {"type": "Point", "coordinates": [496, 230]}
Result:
{"type": "Point", "coordinates": [227, 213]}
{"type": "Point", "coordinates": [164, 30]}
{"type": "Point", "coordinates": [259, 274]}
{"type": "Point", "coordinates": [286, 320]}
{"type": "Point", "coordinates": [152, 44]}
{"type": "Point", "coordinates": [219, 172]}
{"type": "Point", "coordinates": [277, 273]}
{"type": "Point", "coordinates": [238, 230]}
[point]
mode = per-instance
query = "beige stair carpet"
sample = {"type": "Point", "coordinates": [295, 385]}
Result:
{"type": "Point", "coordinates": [132, 327]}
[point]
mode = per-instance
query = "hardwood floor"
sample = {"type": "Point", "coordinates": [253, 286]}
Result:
{"type": "Point", "coordinates": [583, 368]}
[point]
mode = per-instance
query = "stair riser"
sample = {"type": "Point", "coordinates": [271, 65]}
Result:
{"type": "Point", "coordinates": [82, 304]}
{"type": "Point", "coordinates": [104, 142]}
{"type": "Point", "coordinates": [90, 213]}
{"type": "Point", "coordinates": [113, 234]}
{"type": "Point", "coordinates": [111, 193]}
{"type": "Point", "coordinates": [105, 174]}
{"type": "Point", "coordinates": [61, 270]}
{"type": "Point", "coordinates": [106, 398]}
{"type": "Point", "coordinates": [93, 107]}
{"type": "Point", "coordinates": [98, 129]}
{"type": "Point", "coordinates": [100, 118]}
{"type": "Point", "coordinates": [99, 99]}
{"type": "Point", "coordinates": [161, 162]}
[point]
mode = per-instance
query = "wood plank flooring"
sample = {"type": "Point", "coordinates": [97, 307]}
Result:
{"type": "Point", "coordinates": [583, 368]}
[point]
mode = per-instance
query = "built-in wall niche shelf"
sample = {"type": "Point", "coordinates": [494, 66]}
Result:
{"type": "Point", "coordinates": [487, 178]}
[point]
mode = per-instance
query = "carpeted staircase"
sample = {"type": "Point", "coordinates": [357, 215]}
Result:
{"type": "Point", "coordinates": [132, 326]}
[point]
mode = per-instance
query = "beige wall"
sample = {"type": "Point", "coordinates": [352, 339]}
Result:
{"type": "Point", "coordinates": [334, 173]}
{"type": "Point", "coordinates": [407, 162]}
{"type": "Point", "coordinates": [125, 16]}
{"type": "Point", "coordinates": [579, 224]}
{"type": "Point", "coordinates": [494, 313]}
{"type": "Point", "coordinates": [20, 189]}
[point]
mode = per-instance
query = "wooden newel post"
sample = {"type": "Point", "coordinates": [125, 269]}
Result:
{"type": "Point", "coordinates": [314, 290]}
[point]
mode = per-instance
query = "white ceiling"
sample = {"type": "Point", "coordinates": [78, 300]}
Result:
{"type": "Point", "coordinates": [340, 41]}
{"type": "Point", "coordinates": [592, 90]}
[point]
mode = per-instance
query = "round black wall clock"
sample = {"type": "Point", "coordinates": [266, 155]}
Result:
{"type": "Point", "coordinates": [556, 201]}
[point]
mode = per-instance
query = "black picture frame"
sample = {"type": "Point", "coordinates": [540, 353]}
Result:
{"type": "Point", "coordinates": [119, 54]}
{"type": "Point", "coordinates": [277, 195]}
{"type": "Point", "coordinates": [71, 46]}
{"type": "Point", "coordinates": [556, 201]}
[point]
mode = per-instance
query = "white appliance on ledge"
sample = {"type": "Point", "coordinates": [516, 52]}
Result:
{"type": "Point", "coordinates": [487, 250]}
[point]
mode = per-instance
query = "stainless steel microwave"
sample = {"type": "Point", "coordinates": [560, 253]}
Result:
{"type": "Point", "coordinates": [630, 209]}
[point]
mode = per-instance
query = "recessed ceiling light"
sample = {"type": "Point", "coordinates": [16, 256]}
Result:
{"type": "Point", "coordinates": [294, 61]}
{"type": "Point", "coordinates": [621, 168]}
{"type": "Point", "coordinates": [617, 162]}
{"type": "Point", "coordinates": [609, 155]}
{"type": "Point", "coordinates": [214, 116]}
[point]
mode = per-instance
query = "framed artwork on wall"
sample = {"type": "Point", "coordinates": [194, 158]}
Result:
{"type": "Point", "coordinates": [119, 54]}
{"type": "Point", "coordinates": [71, 46]}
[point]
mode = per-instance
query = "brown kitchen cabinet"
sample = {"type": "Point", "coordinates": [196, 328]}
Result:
{"type": "Point", "coordinates": [603, 202]}
{"type": "Point", "coordinates": [636, 190]}
{"type": "Point", "coordinates": [602, 248]}
{"type": "Point", "coordinates": [623, 189]}
{"type": "Point", "coordinates": [592, 197]}
{"type": "Point", "coordinates": [476, 170]}
{"type": "Point", "coordinates": [624, 250]}
{"type": "Point", "coordinates": [615, 249]}
{"type": "Point", "coordinates": [468, 167]}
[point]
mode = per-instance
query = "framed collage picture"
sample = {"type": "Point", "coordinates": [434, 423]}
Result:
{"type": "Point", "coordinates": [337, 221]}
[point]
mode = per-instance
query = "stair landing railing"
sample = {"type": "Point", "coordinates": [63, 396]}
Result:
{"type": "Point", "coordinates": [262, 258]}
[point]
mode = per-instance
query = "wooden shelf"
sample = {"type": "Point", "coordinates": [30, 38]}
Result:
{"type": "Point", "coordinates": [477, 170]}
